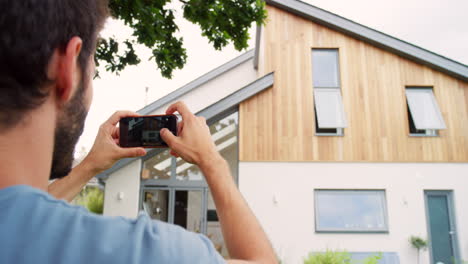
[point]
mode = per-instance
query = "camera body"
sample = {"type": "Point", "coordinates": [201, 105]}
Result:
{"type": "Point", "coordinates": [144, 131]}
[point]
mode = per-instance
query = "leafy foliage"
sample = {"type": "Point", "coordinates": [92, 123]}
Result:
{"type": "Point", "coordinates": [339, 257]}
{"type": "Point", "coordinates": [153, 25]}
{"type": "Point", "coordinates": [108, 51]}
{"type": "Point", "coordinates": [329, 257]}
{"type": "Point", "coordinates": [91, 198]}
{"type": "Point", "coordinates": [373, 259]}
{"type": "Point", "coordinates": [418, 242]}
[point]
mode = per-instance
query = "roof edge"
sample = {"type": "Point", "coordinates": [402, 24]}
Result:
{"type": "Point", "coordinates": [197, 82]}
{"type": "Point", "coordinates": [374, 37]}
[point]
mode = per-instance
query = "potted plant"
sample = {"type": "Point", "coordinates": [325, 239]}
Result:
{"type": "Point", "coordinates": [418, 243]}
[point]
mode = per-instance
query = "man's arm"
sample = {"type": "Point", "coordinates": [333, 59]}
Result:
{"type": "Point", "coordinates": [69, 186]}
{"type": "Point", "coordinates": [103, 155]}
{"type": "Point", "coordinates": [245, 239]}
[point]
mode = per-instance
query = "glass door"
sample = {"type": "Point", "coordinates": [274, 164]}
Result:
{"type": "Point", "coordinates": [188, 209]}
{"type": "Point", "coordinates": [155, 202]}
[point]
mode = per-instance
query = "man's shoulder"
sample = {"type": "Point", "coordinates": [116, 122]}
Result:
{"type": "Point", "coordinates": [31, 202]}
{"type": "Point", "coordinates": [28, 204]}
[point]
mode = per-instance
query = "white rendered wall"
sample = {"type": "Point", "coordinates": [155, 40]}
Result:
{"type": "Point", "coordinates": [122, 191]}
{"type": "Point", "coordinates": [218, 88]}
{"type": "Point", "coordinates": [282, 196]}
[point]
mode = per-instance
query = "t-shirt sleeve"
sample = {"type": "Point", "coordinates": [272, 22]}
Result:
{"type": "Point", "coordinates": [147, 241]}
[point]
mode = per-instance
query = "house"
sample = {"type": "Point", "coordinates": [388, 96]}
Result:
{"type": "Point", "coordinates": [339, 137]}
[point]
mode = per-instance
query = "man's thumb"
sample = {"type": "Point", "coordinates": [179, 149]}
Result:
{"type": "Point", "coordinates": [168, 137]}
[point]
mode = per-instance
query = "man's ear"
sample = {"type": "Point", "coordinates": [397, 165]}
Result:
{"type": "Point", "coordinates": [67, 72]}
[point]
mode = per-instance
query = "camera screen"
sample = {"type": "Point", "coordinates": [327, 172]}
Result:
{"type": "Point", "coordinates": [144, 131]}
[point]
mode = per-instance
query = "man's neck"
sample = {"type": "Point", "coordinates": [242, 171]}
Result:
{"type": "Point", "coordinates": [26, 150]}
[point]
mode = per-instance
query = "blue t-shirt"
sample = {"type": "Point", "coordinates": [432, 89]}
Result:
{"type": "Point", "coordinates": [36, 228]}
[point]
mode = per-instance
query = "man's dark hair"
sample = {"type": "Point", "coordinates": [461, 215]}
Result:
{"type": "Point", "coordinates": [30, 31]}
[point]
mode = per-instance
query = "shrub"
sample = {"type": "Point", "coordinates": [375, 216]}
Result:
{"type": "Point", "coordinates": [328, 257]}
{"type": "Point", "coordinates": [373, 259]}
{"type": "Point", "coordinates": [339, 257]}
{"type": "Point", "coordinates": [92, 199]}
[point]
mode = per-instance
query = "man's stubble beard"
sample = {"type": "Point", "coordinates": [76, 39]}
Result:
{"type": "Point", "coordinates": [69, 127]}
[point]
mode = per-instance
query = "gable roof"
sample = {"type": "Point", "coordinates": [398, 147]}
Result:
{"type": "Point", "coordinates": [374, 37]}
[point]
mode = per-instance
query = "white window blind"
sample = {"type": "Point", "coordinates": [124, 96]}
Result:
{"type": "Point", "coordinates": [329, 107]}
{"type": "Point", "coordinates": [424, 109]}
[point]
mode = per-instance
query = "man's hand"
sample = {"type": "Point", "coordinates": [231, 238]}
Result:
{"type": "Point", "coordinates": [106, 150]}
{"type": "Point", "coordinates": [193, 143]}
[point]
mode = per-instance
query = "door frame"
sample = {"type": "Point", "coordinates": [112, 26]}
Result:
{"type": "Point", "coordinates": [451, 213]}
{"type": "Point", "coordinates": [171, 203]}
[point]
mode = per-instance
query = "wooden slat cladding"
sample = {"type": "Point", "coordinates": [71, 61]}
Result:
{"type": "Point", "coordinates": [278, 124]}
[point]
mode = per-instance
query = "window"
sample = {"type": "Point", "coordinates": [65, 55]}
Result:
{"type": "Point", "coordinates": [330, 112]}
{"type": "Point", "coordinates": [325, 68]}
{"type": "Point", "coordinates": [157, 167]}
{"type": "Point", "coordinates": [424, 116]}
{"type": "Point", "coordinates": [350, 211]}
{"type": "Point", "coordinates": [162, 166]}
{"type": "Point", "coordinates": [330, 118]}
{"type": "Point", "coordinates": [224, 134]}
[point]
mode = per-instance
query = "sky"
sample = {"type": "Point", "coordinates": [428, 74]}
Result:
{"type": "Point", "coordinates": [440, 26]}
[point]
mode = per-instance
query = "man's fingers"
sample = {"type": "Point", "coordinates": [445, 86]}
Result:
{"type": "Point", "coordinates": [115, 133]}
{"type": "Point", "coordinates": [132, 152]}
{"type": "Point", "coordinates": [181, 108]}
{"type": "Point", "coordinates": [180, 126]}
{"type": "Point", "coordinates": [168, 137]}
{"type": "Point", "coordinates": [115, 118]}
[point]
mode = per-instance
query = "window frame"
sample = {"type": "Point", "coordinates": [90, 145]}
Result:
{"type": "Point", "coordinates": [382, 192]}
{"type": "Point", "coordinates": [410, 118]}
{"type": "Point", "coordinates": [339, 131]}
{"type": "Point", "coordinates": [411, 125]}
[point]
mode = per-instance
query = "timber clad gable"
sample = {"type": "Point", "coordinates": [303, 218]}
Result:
{"type": "Point", "coordinates": [279, 123]}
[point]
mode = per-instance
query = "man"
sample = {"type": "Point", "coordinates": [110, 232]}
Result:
{"type": "Point", "coordinates": [46, 68]}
